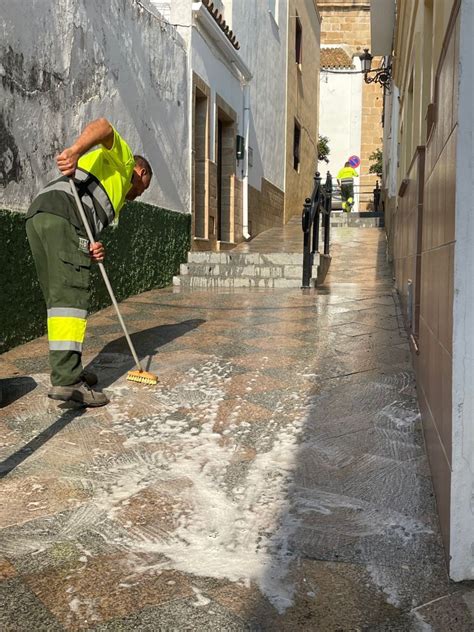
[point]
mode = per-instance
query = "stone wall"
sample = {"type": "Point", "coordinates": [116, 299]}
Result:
{"type": "Point", "coordinates": [265, 207]}
{"type": "Point", "coordinates": [429, 247]}
{"type": "Point", "coordinates": [435, 361]}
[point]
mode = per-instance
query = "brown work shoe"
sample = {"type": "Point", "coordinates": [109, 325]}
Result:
{"type": "Point", "coordinates": [89, 378]}
{"type": "Point", "coordinates": [81, 393]}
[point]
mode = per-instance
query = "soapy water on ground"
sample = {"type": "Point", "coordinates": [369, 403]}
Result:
{"type": "Point", "coordinates": [204, 521]}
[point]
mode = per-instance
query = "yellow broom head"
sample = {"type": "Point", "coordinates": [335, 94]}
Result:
{"type": "Point", "coordinates": [142, 376]}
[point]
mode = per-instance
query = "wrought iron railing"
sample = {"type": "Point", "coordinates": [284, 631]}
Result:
{"type": "Point", "coordinates": [319, 204]}
{"type": "Point", "coordinates": [364, 194]}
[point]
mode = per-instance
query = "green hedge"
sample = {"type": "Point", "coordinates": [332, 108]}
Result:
{"type": "Point", "coordinates": [143, 252]}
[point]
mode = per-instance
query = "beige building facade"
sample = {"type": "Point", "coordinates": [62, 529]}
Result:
{"type": "Point", "coordinates": [428, 193]}
{"type": "Point", "coordinates": [302, 104]}
{"type": "Point", "coordinates": [347, 24]}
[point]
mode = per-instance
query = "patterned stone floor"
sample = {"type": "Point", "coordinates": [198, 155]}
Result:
{"type": "Point", "coordinates": [275, 479]}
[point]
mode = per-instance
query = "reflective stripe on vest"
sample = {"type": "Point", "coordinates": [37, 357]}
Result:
{"type": "Point", "coordinates": [97, 204]}
{"type": "Point", "coordinates": [347, 181]}
{"type": "Point", "coordinates": [66, 328]}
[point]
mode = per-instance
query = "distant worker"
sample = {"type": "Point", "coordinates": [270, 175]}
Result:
{"type": "Point", "coordinates": [345, 179]}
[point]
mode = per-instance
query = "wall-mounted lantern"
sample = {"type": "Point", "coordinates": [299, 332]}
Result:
{"type": "Point", "coordinates": [382, 75]}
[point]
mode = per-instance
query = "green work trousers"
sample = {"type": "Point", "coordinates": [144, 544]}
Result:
{"type": "Point", "coordinates": [63, 266]}
{"type": "Point", "coordinates": [347, 192]}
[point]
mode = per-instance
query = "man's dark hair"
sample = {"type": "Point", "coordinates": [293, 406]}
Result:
{"type": "Point", "coordinates": [347, 164]}
{"type": "Point", "coordinates": [144, 164]}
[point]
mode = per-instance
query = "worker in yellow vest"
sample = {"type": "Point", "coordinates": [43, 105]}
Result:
{"type": "Point", "coordinates": [345, 179]}
{"type": "Point", "coordinates": [104, 178]}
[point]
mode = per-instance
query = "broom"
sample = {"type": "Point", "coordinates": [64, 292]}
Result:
{"type": "Point", "coordinates": [139, 375]}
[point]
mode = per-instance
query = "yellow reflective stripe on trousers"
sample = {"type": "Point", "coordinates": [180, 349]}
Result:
{"type": "Point", "coordinates": [66, 328]}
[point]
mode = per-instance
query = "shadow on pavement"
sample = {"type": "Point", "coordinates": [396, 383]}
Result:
{"type": "Point", "coordinates": [115, 360]}
{"type": "Point", "coordinates": [13, 388]}
{"type": "Point", "coordinates": [146, 343]}
{"type": "Point", "coordinates": [11, 462]}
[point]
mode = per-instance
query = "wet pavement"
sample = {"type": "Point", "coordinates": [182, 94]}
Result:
{"type": "Point", "coordinates": [274, 479]}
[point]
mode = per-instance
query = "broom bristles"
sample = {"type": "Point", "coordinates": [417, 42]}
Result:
{"type": "Point", "coordinates": [143, 377]}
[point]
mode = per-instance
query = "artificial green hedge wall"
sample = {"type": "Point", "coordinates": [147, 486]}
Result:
{"type": "Point", "coordinates": [143, 252]}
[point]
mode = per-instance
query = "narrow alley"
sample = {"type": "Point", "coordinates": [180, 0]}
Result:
{"type": "Point", "coordinates": [275, 479]}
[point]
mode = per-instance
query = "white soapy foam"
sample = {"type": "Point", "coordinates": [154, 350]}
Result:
{"type": "Point", "coordinates": [176, 452]}
{"type": "Point", "coordinates": [238, 532]}
{"type": "Point", "coordinates": [201, 600]}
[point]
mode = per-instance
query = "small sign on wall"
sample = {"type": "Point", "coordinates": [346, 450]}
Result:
{"type": "Point", "coordinates": [240, 147]}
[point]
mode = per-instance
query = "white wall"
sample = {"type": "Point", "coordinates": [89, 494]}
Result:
{"type": "Point", "coordinates": [462, 480]}
{"type": "Point", "coordinates": [340, 116]}
{"type": "Point", "coordinates": [215, 72]}
{"type": "Point", "coordinates": [263, 49]}
{"type": "Point", "coordinates": [163, 6]}
{"type": "Point", "coordinates": [70, 61]}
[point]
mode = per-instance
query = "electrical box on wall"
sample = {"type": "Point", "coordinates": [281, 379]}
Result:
{"type": "Point", "coordinates": [240, 147]}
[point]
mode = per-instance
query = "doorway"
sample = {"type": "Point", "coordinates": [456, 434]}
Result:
{"type": "Point", "coordinates": [225, 162]}
{"type": "Point", "coordinates": [200, 154]}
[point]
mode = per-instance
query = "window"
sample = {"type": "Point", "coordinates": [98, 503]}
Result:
{"type": "Point", "coordinates": [298, 41]}
{"type": "Point", "coordinates": [296, 146]}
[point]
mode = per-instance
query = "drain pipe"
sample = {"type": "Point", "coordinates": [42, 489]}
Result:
{"type": "Point", "coordinates": [245, 179]}
{"type": "Point", "coordinates": [245, 76]}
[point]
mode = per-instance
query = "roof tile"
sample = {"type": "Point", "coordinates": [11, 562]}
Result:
{"type": "Point", "coordinates": [335, 58]}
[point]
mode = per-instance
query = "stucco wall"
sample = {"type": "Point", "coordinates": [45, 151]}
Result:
{"type": "Point", "coordinates": [263, 48]}
{"type": "Point", "coordinates": [215, 73]}
{"type": "Point", "coordinates": [65, 62]}
{"type": "Point", "coordinates": [462, 486]}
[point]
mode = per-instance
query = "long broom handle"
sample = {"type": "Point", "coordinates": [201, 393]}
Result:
{"type": "Point", "coordinates": [104, 273]}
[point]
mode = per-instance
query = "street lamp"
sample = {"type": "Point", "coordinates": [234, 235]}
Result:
{"type": "Point", "coordinates": [382, 75]}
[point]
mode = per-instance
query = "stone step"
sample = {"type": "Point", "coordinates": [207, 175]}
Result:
{"type": "Point", "coordinates": [247, 258]}
{"type": "Point", "coordinates": [242, 270]}
{"type": "Point", "coordinates": [212, 282]}
{"type": "Point", "coordinates": [233, 270]}
{"type": "Point", "coordinates": [356, 220]}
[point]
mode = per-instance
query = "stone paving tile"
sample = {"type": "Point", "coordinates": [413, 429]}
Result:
{"type": "Point", "coordinates": [452, 613]}
{"type": "Point", "coordinates": [106, 587]}
{"type": "Point", "coordinates": [197, 614]}
{"type": "Point", "coordinates": [7, 570]}
{"type": "Point", "coordinates": [263, 362]}
{"type": "Point", "coordinates": [36, 496]}
{"type": "Point", "coordinates": [21, 610]}
{"type": "Point", "coordinates": [274, 479]}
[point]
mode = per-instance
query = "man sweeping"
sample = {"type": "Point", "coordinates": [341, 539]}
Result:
{"type": "Point", "coordinates": [345, 179]}
{"type": "Point", "coordinates": [104, 178]}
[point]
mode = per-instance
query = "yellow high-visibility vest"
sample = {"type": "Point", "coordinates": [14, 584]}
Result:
{"type": "Point", "coordinates": [113, 168]}
{"type": "Point", "coordinates": [347, 173]}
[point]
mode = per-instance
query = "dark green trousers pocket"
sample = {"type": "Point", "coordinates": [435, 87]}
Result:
{"type": "Point", "coordinates": [76, 269]}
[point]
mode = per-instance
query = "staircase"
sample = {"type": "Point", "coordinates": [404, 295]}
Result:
{"type": "Point", "coordinates": [237, 269]}
{"type": "Point", "coordinates": [364, 219]}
